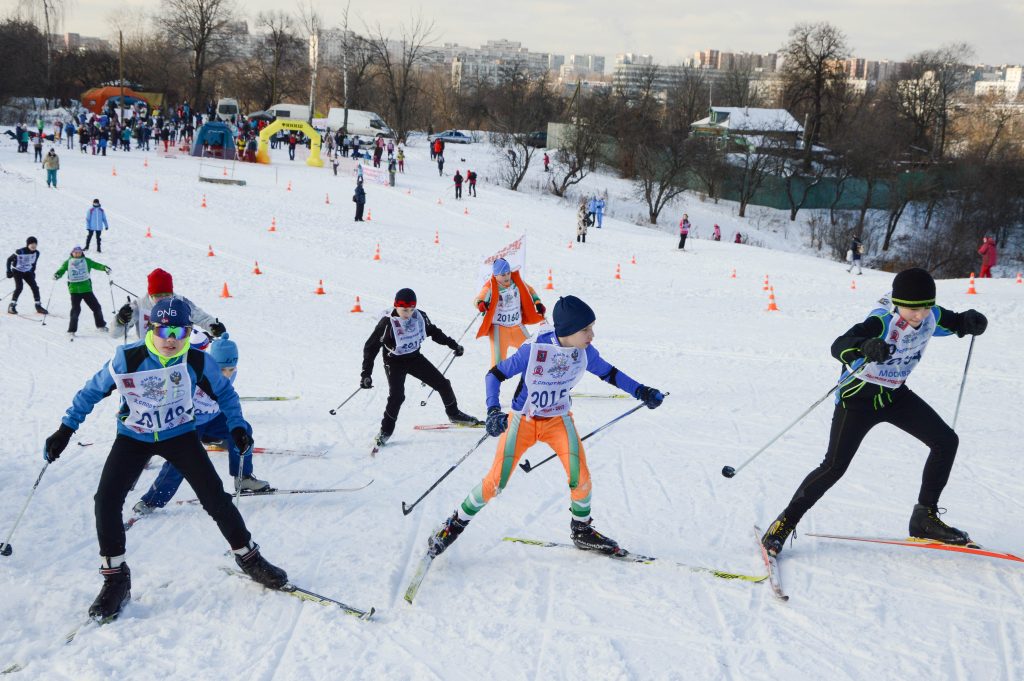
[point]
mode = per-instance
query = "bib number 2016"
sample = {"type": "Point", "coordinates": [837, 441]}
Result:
{"type": "Point", "coordinates": [160, 419]}
{"type": "Point", "coordinates": [545, 398]}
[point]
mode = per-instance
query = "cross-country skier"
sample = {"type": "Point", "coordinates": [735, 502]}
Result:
{"type": "Point", "coordinates": [547, 369]}
{"type": "Point", "coordinates": [401, 333]}
{"type": "Point", "coordinates": [890, 342]}
{"type": "Point", "coordinates": [211, 425]}
{"type": "Point", "coordinates": [159, 285]}
{"type": "Point", "coordinates": [80, 288]}
{"type": "Point", "coordinates": [157, 379]}
{"type": "Point", "coordinates": [508, 304]}
{"type": "Point", "coordinates": [21, 267]}
{"type": "Point", "coordinates": [95, 223]}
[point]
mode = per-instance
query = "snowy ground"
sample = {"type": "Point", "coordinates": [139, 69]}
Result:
{"type": "Point", "coordinates": [490, 609]}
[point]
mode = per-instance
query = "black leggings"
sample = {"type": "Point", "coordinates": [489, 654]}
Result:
{"type": "Point", "coordinates": [417, 366]}
{"type": "Point", "coordinates": [22, 278]}
{"type": "Point", "coordinates": [909, 413]}
{"type": "Point", "coordinates": [88, 238]}
{"type": "Point", "coordinates": [76, 309]}
{"type": "Point", "coordinates": [682, 241]}
{"type": "Point", "coordinates": [124, 464]}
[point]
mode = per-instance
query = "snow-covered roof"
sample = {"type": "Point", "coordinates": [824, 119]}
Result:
{"type": "Point", "coordinates": [761, 120]}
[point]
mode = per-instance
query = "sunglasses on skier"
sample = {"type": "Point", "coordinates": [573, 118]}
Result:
{"type": "Point", "coordinates": [175, 332]}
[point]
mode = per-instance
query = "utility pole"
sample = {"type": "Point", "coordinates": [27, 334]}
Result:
{"type": "Point", "coordinates": [120, 70]}
{"type": "Point", "coordinates": [314, 58]}
{"type": "Point", "coordinates": [344, 66]}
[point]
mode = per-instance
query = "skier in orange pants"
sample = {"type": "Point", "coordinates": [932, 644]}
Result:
{"type": "Point", "coordinates": [508, 304]}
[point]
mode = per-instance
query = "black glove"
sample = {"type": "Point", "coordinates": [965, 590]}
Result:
{"type": "Point", "coordinates": [56, 443]}
{"type": "Point", "coordinates": [876, 350]}
{"type": "Point", "coordinates": [541, 309]}
{"type": "Point", "coordinates": [366, 382]}
{"type": "Point", "coordinates": [651, 397]}
{"type": "Point", "coordinates": [972, 322]}
{"type": "Point", "coordinates": [124, 315]}
{"type": "Point", "coordinates": [217, 328]}
{"type": "Point", "coordinates": [497, 421]}
{"type": "Point", "coordinates": [10, 274]}
{"type": "Point", "coordinates": [459, 350]}
{"type": "Point", "coordinates": [242, 440]}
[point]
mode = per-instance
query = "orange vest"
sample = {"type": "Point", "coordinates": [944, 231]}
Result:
{"type": "Point", "coordinates": [530, 314]}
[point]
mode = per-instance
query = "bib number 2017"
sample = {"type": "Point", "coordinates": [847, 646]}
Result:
{"type": "Point", "coordinates": [160, 419]}
{"type": "Point", "coordinates": [545, 398]}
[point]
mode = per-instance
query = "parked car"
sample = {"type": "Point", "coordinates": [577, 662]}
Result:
{"type": "Point", "coordinates": [537, 139]}
{"type": "Point", "coordinates": [452, 137]}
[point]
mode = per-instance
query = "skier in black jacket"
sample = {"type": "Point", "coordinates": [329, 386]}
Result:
{"type": "Point", "coordinates": [400, 334]}
{"type": "Point", "coordinates": [888, 344]}
{"type": "Point", "coordinates": [21, 267]}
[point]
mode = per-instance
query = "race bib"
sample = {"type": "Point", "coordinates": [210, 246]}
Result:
{"type": "Point", "coordinates": [24, 262]}
{"type": "Point", "coordinates": [910, 344]}
{"type": "Point", "coordinates": [510, 310]}
{"type": "Point", "coordinates": [78, 270]}
{"type": "Point", "coordinates": [409, 334]}
{"type": "Point", "coordinates": [550, 375]}
{"type": "Point", "coordinates": [157, 400]}
{"type": "Point", "coordinates": [203, 403]}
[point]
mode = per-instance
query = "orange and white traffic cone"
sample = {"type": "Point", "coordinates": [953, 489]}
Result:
{"type": "Point", "coordinates": [465, 211]}
{"type": "Point", "coordinates": [765, 287]}
{"type": "Point", "coordinates": [256, 269]}
{"type": "Point", "coordinates": [224, 292]}
{"type": "Point", "coordinates": [156, 187]}
{"type": "Point", "coordinates": [633, 261]}
{"type": "Point", "coordinates": [149, 234]}
{"type": "Point", "coordinates": [772, 307]}
{"type": "Point", "coordinates": [508, 224]}
{"type": "Point", "coordinates": [145, 163]}
{"type": "Point", "coordinates": [437, 237]}
{"type": "Point", "coordinates": [357, 307]}
{"type": "Point", "coordinates": [376, 253]}
{"type": "Point", "coordinates": [273, 225]}
{"type": "Point", "coordinates": [320, 289]}
{"type": "Point", "coordinates": [225, 173]}
{"type": "Point", "coordinates": [369, 216]}
{"type": "Point", "coordinates": [327, 200]}
{"type": "Point", "coordinates": [113, 171]}
{"type": "Point", "coordinates": [618, 272]}
{"type": "Point", "coordinates": [550, 286]}
{"type": "Point", "coordinates": [970, 286]}
{"type": "Point", "coordinates": [1020, 278]}
{"type": "Point", "coordinates": [733, 275]}
{"type": "Point", "coordinates": [203, 204]}
{"type": "Point", "coordinates": [853, 284]}
{"type": "Point", "coordinates": [210, 253]}
{"type": "Point", "coordinates": [570, 245]}
{"type": "Point", "coordinates": [289, 186]}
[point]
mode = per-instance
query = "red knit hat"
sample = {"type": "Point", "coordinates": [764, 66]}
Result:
{"type": "Point", "coordinates": [160, 282]}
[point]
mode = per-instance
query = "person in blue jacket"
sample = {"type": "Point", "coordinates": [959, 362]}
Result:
{"type": "Point", "coordinates": [547, 368]}
{"type": "Point", "coordinates": [95, 222]}
{"type": "Point", "coordinates": [211, 424]}
{"type": "Point", "coordinates": [157, 379]}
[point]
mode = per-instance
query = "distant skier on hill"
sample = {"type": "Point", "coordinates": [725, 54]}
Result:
{"type": "Point", "coordinates": [888, 344]}
{"type": "Point", "coordinates": [21, 266]}
{"type": "Point", "coordinates": [508, 304]}
{"type": "Point", "coordinates": [80, 288]}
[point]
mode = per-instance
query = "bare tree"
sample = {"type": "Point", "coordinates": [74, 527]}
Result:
{"type": "Point", "coordinates": [579, 148]}
{"type": "Point", "coordinates": [709, 164]}
{"type": "Point", "coordinates": [49, 14]}
{"type": "Point", "coordinates": [812, 73]}
{"type": "Point", "coordinates": [278, 51]}
{"type": "Point", "coordinates": [739, 88]}
{"type": "Point", "coordinates": [754, 164]}
{"type": "Point", "coordinates": [397, 63]}
{"type": "Point", "coordinates": [521, 103]}
{"type": "Point", "coordinates": [687, 96]}
{"type": "Point", "coordinates": [198, 26]}
{"type": "Point", "coordinates": [661, 169]}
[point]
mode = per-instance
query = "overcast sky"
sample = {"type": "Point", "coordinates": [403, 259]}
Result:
{"type": "Point", "coordinates": [669, 30]}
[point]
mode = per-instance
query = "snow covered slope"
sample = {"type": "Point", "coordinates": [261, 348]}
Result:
{"type": "Point", "coordinates": [490, 609]}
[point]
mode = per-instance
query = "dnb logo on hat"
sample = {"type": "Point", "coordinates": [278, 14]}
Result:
{"type": "Point", "coordinates": [171, 312]}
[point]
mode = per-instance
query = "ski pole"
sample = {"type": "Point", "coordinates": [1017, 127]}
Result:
{"type": "Point", "coordinates": [112, 283]}
{"type": "Point", "coordinates": [525, 465]}
{"type": "Point", "coordinates": [129, 321]}
{"type": "Point", "coordinates": [334, 411]}
{"type": "Point", "coordinates": [729, 471]}
{"type": "Point", "coordinates": [963, 381]}
{"type": "Point", "coordinates": [48, 299]}
{"type": "Point", "coordinates": [113, 305]}
{"type": "Point", "coordinates": [5, 548]}
{"type": "Point", "coordinates": [407, 509]}
{"type": "Point", "coordinates": [238, 475]}
{"type": "Point", "coordinates": [464, 332]}
{"type": "Point", "coordinates": [423, 402]}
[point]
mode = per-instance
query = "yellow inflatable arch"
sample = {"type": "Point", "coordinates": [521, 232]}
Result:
{"type": "Point", "coordinates": [263, 156]}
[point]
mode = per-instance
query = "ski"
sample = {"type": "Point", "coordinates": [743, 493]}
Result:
{"type": "Point", "coordinates": [627, 556]}
{"type": "Point", "coordinates": [448, 426]}
{"type": "Point", "coordinates": [972, 548]}
{"type": "Point", "coordinates": [312, 597]}
{"type": "Point", "coordinates": [772, 565]}
{"type": "Point", "coordinates": [610, 396]}
{"type": "Point", "coordinates": [417, 578]}
{"type": "Point", "coordinates": [12, 669]}
{"type": "Point", "coordinates": [270, 398]}
{"type": "Point", "coordinates": [98, 621]}
{"type": "Point", "coordinates": [270, 451]}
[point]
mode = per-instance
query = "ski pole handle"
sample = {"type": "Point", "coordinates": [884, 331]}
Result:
{"type": "Point", "coordinates": [334, 411]}
{"type": "Point", "coordinates": [5, 548]}
{"type": "Point", "coordinates": [407, 508]}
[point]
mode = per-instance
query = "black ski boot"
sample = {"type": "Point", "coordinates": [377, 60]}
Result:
{"type": "Point", "coordinates": [585, 537]}
{"type": "Point", "coordinates": [12, 308]}
{"type": "Point", "coordinates": [260, 569]}
{"type": "Point", "coordinates": [462, 419]}
{"type": "Point", "coordinates": [925, 524]}
{"type": "Point", "coordinates": [775, 538]}
{"type": "Point", "coordinates": [381, 439]}
{"type": "Point", "coordinates": [445, 536]}
{"type": "Point", "coordinates": [40, 309]}
{"type": "Point", "coordinates": [114, 594]}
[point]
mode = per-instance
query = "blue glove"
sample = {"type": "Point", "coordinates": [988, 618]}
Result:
{"type": "Point", "coordinates": [651, 397]}
{"type": "Point", "coordinates": [497, 421]}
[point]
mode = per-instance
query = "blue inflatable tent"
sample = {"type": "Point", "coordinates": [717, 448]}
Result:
{"type": "Point", "coordinates": [215, 139]}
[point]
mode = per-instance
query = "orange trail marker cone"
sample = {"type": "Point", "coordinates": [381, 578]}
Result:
{"type": "Point", "coordinates": [970, 287]}
{"type": "Point", "coordinates": [327, 200]}
{"type": "Point", "coordinates": [633, 261]}
{"type": "Point", "coordinates": [508, 224]}
{"type": "Point", "coordinates": [570, 245]}
{"type": "Point", "coordinates": [145, 163]}
{"type": "Point", "coordinates": [113, 171]}
{"type": "Point", "coordinates": [225, 171]}
{"type": "Point", "coordinates": [733, 275]}
{"type": "Point", "coordinates": [465, 211]}
{"type": "Point", "coordinates": [224, 292]}
{"type": "Point", "coordinates": [210, 254]}
{"type": "Point", "coordinates": [550, 286]}
{"type": "Point", "coordinates": [765, 287]}
{"type": "Point", "coordinates": [439, 201]}
{"type": "Point", "coordinates": [369, 216]}
{"type": "Point", "coordinates": [618, 272]}
{"type": "Point", "coordinates": [772, 307]}
{"type": "Point", "coordinates": [408, 192]}
{"type": "Point", "coordinates": [289, 186]}
{"type": "Point", "coordinates": [1020, 278]}
{"type": "Point", "coordinates": [376, 253]}
{"type": "Point", "coordinates": [256, 269]}
{"type": "Point", "coordinates": [437, 237]}
{"type": "Point", "coordinates": [273, 225]}
{"type": "Point", "coordinates": [149, 234]}
{"type": "Point", "coordinates": [357, 307]}
{"type": "Point", "coordinates": [203, 204]}
{"type": "Point", "coordinates": [155, 186]}
{"type": "Point", "coordinates": [320, 289]}
{"type": "Point", "coordinates": [853, 284]}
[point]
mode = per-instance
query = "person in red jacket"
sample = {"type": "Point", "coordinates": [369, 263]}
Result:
{"type": "Point", "coordinates": [988, 256]}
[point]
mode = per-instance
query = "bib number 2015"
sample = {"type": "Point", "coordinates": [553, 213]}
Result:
{"type": "Point", "coordinates": [545, 398]}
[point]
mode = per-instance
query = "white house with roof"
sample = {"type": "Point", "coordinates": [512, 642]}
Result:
{"type": "Point", "coordinates": [752, 128]}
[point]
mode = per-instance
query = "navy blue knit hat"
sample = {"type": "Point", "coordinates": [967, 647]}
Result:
{"type": "Point", "coordinates": [571, 315]}
{"type": "Point", "coordinates": [171, 312]}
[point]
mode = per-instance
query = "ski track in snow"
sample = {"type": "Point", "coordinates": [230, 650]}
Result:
{"type": "Point", "coordinates": [491, 609]}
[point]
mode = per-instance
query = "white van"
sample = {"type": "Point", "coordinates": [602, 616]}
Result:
{"type": "Point", "coordinates": [363, 123]}
{"type": "Point", "coordinates": [227, 109]}
{"type": "Point", "coordinates": [296, 112]}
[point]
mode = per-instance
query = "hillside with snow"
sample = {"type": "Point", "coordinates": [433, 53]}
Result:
{"type": "Point", "coordinates": [679, 321]}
